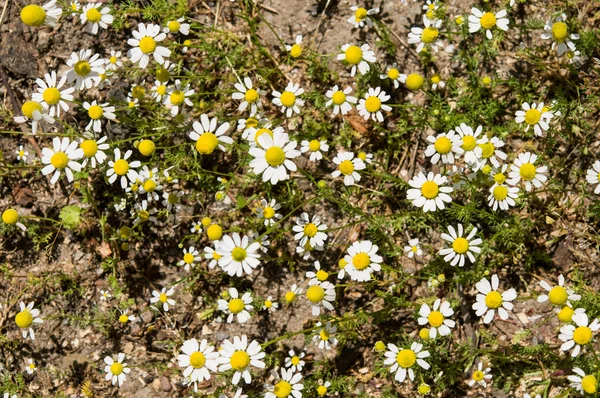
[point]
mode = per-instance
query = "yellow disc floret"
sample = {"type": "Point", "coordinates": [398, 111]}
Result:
{"type": "Point", "coordinates": [296, 51]}
{"type": "Point", "coordinates": [214, 232]}
{"type": "Point", "coordinates": [314, 145]}
{"type": "Point", "coordinates": [10, 216]}
{"type": "Point", "coordinates": [487, 150]}
{"type": "Point", "coordinates": [251, 95]}
{"type": "Point", "coordinates": [443, 145]}
{"type": "Point", "coordinates": [239, 360]}
{"type": "Point", "coordinates": [82, 68]}
{"type": "Point", "coordinates": [460, 245]}
{"type": "Point", "coordinates": [322, 275]}
{"type": "Point", "coordinates": [275, 156]}
{"type": "Point", "coordinates": [493, 299]}
{"type": "Point", "coordinates": [24, 319]}
{"type": "Point", "coordinates": [174, 26]}
{"type": "Point", "coordinates": [429, 35]}
{"type": "Point", "coordinates": [589, 383]}
{"type": "Point", "coordinates": [500, 192]}
{"type": "Point", "coordinates": [287, 99]}
{"type": "Point", "coordinates": [197, 360]}
{"type": "Point", "coordinates": [33, 15]}
{"type": "Point", "coordinates": [338, 98]}
{"type": "Point", "coordinates": [121, 167]}
{"type": "Point", "coordinates": [147, 44]}
{"type": "Point", "coordinates": [582, 335]}
{"type": "Point", "coordinates": [95, 112]}
{"type": "Point", "coordinates": [488, 20]}
{"type": "Point", "coordinates": [558, 295]}
{"type": "Point", "coordinates": [236, 305]}
{"type": "Point", "coordinates": [207, 143]}
{"type": "Point", "coordinates": [393, 73]}
{"type": "Point", "coordinates": [239, 254]}
{"type": "Point", "coordinates": [435, 319]}
{"type": "Point", "coordinates": [559, 31]}
{"type": "Point", "coordinates": [51, 95]}
{"type": "Point", "coordinates": [353, 55]}
{"type": "Point", "coordinates": [373, 104]}
{"type": "Point", "coordinates": [315, 294]}
{"type": "Point", "coordinates": [29, 107]}
{"type": "Point", "coordinates": [430, 189]}
{"type": "Point", "coordinates": [146, 147]}
{"type": "Point", "coordinates": [59, 160]}
{"type": "Point", "coordinates": [282, 389]}
{"type": "Point", "coordinates": [89, 147]}
{"type": "Point", "coordinates": [177, 97]}
{"type": "Point", "coordinates": [414, 81]}
{"type": "Point", "coordinates": [468, 143]}
{"type": "Point", "coordinates": [93, 15]}
{"type": "Point", "coordinates": [532, 116]}
{"type": "Point", "coordinates": [116, 368]}
{"type": "Point", "coordinates": [406, 358]}
{"type": "Point", "coordinates": [527, 171]}
{"type": "Point", "coordinates": [361, 261]}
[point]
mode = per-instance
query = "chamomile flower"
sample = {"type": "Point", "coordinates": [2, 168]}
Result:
{"type": "Point", "coordinates": [480, 376]}
{"type": "Point", "coordinates": [190, 257]}
{"type": "Point", "coordinates": [314, 147]}
{"type": "Point", "coordinates": [361, 16]}
{"type": "Point", "coordinates": [479, 20]}
{"type": "Point", "coordinates": [196, 227]}
{"type": "Point", "coordinates": [249, 95]}
{"type": "Point", "coordinates": [96, 17]}
{"type": "Point", "coordinates": [199, 359]}
{"type": "Point", "coordinates": [163, 297]}
{"type": "Point", "coordinates": [294, 361]}
{"type": "Point", "coordinates": [469, 140]}
{"type": "Point", "coordinates": [62, 157]}
{"type": "Point", "coordinates": [105, 295]}
{"type": "Point", "coordinates": [362, 260]}
{"type": "Point", "coordinates": [444, 146]}
{"type": "Point", "coordinates": [393, 74]}
{"type": "Point", "coordinates": [30, 368]}
{"type": "Point", "coordinates": [357, 57]}
{"type": "Point", "coordinates": [309, 230]}
{"type": "Point", "coordinates": [96, 112]}
{"type": "Point", "coordinates": [373, 103]}
{"type": "Point", "coordinates": [143, 214]}
{"type": "Point", "coordinates": [236, 307]}
{"type": "Point", "coordinates": [116, 371]}
{"type": "Point", "coordinates": [534, 115]}
{"type": "Point", "coordinates": [295, 49]}
{"type": "Point", "coordinates": [488, 150]}
{"type": "Point", "coordinates": [270, 305]}
{"type": "Point", "coordinates": [75, 6]}
{"type": "Point", "coordinates": [93, 151]}
{"type": "Point", "coordinates": [172, 200]}
{"type": "Point", "coordinates": [145, 44]}
{"type": "Point", "coordinates": [348, 165]}
{"type": "Point", "coordinates": [437, 82]}
{"type": "Point", "coordinates": [426, 37]}
{"type": "Point", "coordinates": [317, 276]}
{"type": "Point", "coordinates": [325, 339]}
{"type": "Point", "coordinates": [33, 110]}
{"type": "Point", "coordinates": [125, 317]}
{"type": "Point", "coordinates": [289, 100]}
{"type": "Point", "coordinates": [593, 176]}
{"type": "Point", "coordinates": [286, 386]}
{"type": "Point", "coordinates": [159, 91]}
{"type": "Point", "coordinates": [558, 31]}
{"type": "Point", "coordinates": [26, 318]}
{"type": "Point", "coordinates": [212, 255]}
{"type": "Point", "coordinates": [413, 248]}
{"type": "Point", "coordinates": [177, 26]}
{"type": "Point", "coordinates": [208, 137]}
{"type": "Point", "coordinates": [11, 217]}
{"type": "Point", "coordinates": [558, 295]}
{"type": "Point", "coordinates": [403, 360]}
{"type": "Point", "coordinates": [267, 211]}
{"type": "Point", "coordinates": [321, 294]}
{"type": "Point", "coordinates": [290, 295]}
{"type": "Point", "coordinates": [585, 384]}
{"type": "Point", "coordinates": [85, 69]}
{"type": "Point", "coordinates": [22, 154]}
{"type": "Point", "coordinates": [178, 96]}
{"type": "Point", "coordinates": [524, 169]}
{"type": "Point", "coordinates": [51, 94]}
{"type": "Point", "coordinates": [114, 61]}
{"type": "Point", "coordinates": [490, 300]}
{"type": "Point", "coordinates": [239, 356]}
{"type": "Point", "coordinates": [461, 246]}
{"type": "Point", "coordinates": [34, 15]}
{"type": "Point", "coordinates": [576, 336]}
{"type": "Point", "coordinates": [413, 81]}
{"type": "Point", "coordinates": [340, 100]}
{"type": "Point", "coordinates": [273, 156]}
{"type": "Point", "coordinates": [239, 254]}
{"type": "Point", "coordinates": [122, 168]}
{"type": "Point", "coordinates": [502, 196]}
{"type": "Point", "coordinates": [427, 191]}
{"type": "Point", "coordinates": [322, 389]}
{"type": "Point", "coordinates": [437, 318]}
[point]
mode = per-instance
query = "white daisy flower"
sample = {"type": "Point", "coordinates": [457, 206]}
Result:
{"type": "Point", "coordinates": [212, 255]}
{"type": "Point", "coordinates": [163, 297]}
{"type": "Point", "coordinates": [208, 137]}
{"type": "Point", "coordinates": [459, 176]}
{"type": "Point", "coordinates": [413, 248]}
{"type": "Point", "coordinates": [93, 151]}
{"type": "Point", "coordinates": [325, 339]}
{"type": "Point", "coordinates": [357, 57]}
{"type": "Point", "coordinates": [50, 95]}
{"type": "Point", "coordinates": [428, 36]}
{"type": "Point", "coordinates": [317, 276]}
{"type": "Point", "coordinates": [75, 5]}
{"type": "Point", "coordinates": [393, 74]}
{"type": "Point", "coordinates": [480, 376]}
{"type": "Point", "coordinates": [340, 100]}
{"type": "Point", "coordinates": [268, 211]}
{"type": "Point", "coordinates": [143, 214]}
{"type": "Point", "coordinates": [558, 31]}
{"type": "Point", "coordinates": [289, 100]}
{"type": "Point", "coordinates": [122, 168]}
{"type": "Point", "coordinates": [488, 150]}
{"type": "Point", "coordinates": [290, 295]}
{"type": "Point", "coordinates": [427, 191]}
{"type": "Point", "coordinates": [196, 227]}
{"type": "Point", "coordinates": [320, 295]}
{"type": "Point", "coordinates": [295, 50]}
{"type": "Point", "coordinates": [490, 300]}
{"type": "Point", "coordinates": [22, 154]}
{"type": "Point", "coordinates": [523, 168]}
{"type": "Point", "coordinates": [314, 147]}
{"type": "Point", "coordinates": [239, 255]}
{"type": "Point", "coordinates": [487, 20]}
{"type": "Point", "coordinates": [190, 257]}
{"type": "Point", "coordinates": [365, 157]}
{"type": "Point", "coordinates": [307, 250]}
{"type": "Point", "coordinates": [502, 196]}
{"type": "Point", "coordinates": [249, 95]}
{"type": "Point", "coordinates": [30, 368]}
{"type": "Point", "coordinates": [96, 112]}
{"type": "Point", "coordinates": [145, 43]}
{"type": "Point", "coordinates": [273, 156]}
{"type": "Point", "coordinates": [348, 165]}
{"type": "Point", "coordinates": [159, 91]}
{"type": "Point", "coordinates": [444, 146]}
{"type": "Point", "coordinates": [33, 110]}
{"type": "Point", "coordinates": [178, 96]}
{"type": "Point", "coordinates": [105, 295]}
{"type": "Point", "coordinates": [469, 142]}
{"type": "Point", "coordinates": [294, 362]}
{"type": "Point", "coordinates": [535, 115]}
{"type": "Point", "coordinates": [362, 260]}
{"type": "Point", "coordinates": [26, 318]}
{"type": "Point", "coordinates": [593, 176]}
{"type": "Point", "coordinates": [85, 69]}
{"type": "Point", "coordinates": [96, 17]}
{"type": "Point", "coordinates": [172, 200]}
{"type": "Point", "coordinates": [116, 371]}
{"type": "Point", "coordinates": [62, 157]}
{"type": "Point", "coordinates": [198, 359]}
{"type": "Point", "coordinates": [578, 335]}
{"type": "Point", "coordinates": [461, 246]}
{"type": "Point", "coordinates": [585, 384]}
{"type": "Point", "coordinates": [437, 82]}
{"type": "Point", "coordinates": [373, 103]}
{"type": "Point", "coordinates": [270, 305]}
{"type": "Point", "coordinates": [239, 356]}
{"type": "Point", "coordinates": [403, 360]}
{"type": "Point", "coordinates": [114, 62]}
{"type": "Point", "coordinates": [361, 16]}
{"type": "Point", "coordinates": [236, 307]}
{"type": "Point", "coordinates": [34, 15]}
{"type": "Point", "coordinates": [177, 26]}
{"type": "Point", "coordinates": [310, 231]}
{"type": "Point", "coordinates": [287, 386]}
{"type": "Point", "coordinates": [437, 318]}
{"type": "Point", "coordinates": [558, 295]}
{"type": "Point", "coordinates": [322, 389]}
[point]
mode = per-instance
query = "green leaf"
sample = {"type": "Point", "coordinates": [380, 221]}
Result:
{"type": "Point", "coordinates": [71, 216]}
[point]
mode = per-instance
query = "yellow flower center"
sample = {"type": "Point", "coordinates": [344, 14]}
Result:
{"type": "Point", "coordinates": [93, 15]}
{"type": "Point", "coordinates": [146, 147]}
{"type": "Point", "coordinates": [424, 389]}
{"type": "Point", "coordinates": [406, 358]}
{"type": "Point", "coordinates": [353, 55]}
{"type": "Point", "coordinates": [143, 215]}
{"type": "Point", "coordinates": [177, 97]}
{"type": "Point", "coordinates": [214, 232]}
{"type": "Point", "coordinates": [197, 360]}
{"type": "Point", "coordinates": [321, 390]}
{"type": "Point", "coordinates": [558, 295]}
{"type": "Point", "coordinates": [487, 150]}
{"type": "Point", "coordinates": [373, 104]}
{"type": "Point", "coordinates": [288, 99]}
{"type": "Point", "coordinates": [499, 178]}
{"type": "Point", "coordinates": [239, 360]}
{"type": "Point", "coordinates": [322, 275]}
{"type": "Point", "coordinates": [123, 318]}
{"type": "Point", "coordinates": [10, 216]}
{"type": "Point", "coordinates": [443, 145]}
{"type": "Point", "coordinates": [95, 112]}
{"type": "Point", "coordinates": [268, 212]}
{"type": "Point", "coordinates": [163, 298]}
{"type": "Point", "coordinates": [582, 335]}
{"type": "Point", "coordinates": [360, 14]}
{"type": "Point", "coordinates": [121, 167]}
{"type": "Point", "coordinates": [460, 245]}
{"type": "Point", "coordinates": [296, 50]}
{"type": "Point", "coordinates": [251, 95]}
{"type": "Point", "coordinates": [149, 186]}
{"type": "Point", "coordinates": [493, 300]}
{"type": "Point", "coordinates": [51, 95]}
{"type": "Point", "coordinates": [532, 116]}
{"type": "Point", "coordinates": [260, 132]}
{"type": "Point", "coordinates": [429, 35]}
{"type": "Point", "coordinates": [29, 107]}
{"type": "Point", "coordinates": [361, 261]}
{"type": "Point", "coordinates": [216, 256]}
{"type": "Point", "coordinates": [174, 26]}
{"type": "Point", "coordinates": [147, 44]}
{"type": "Point", "coordinates": [116, 368]}
{"type": "Point", "coordinates": [295, 360]}
{"type": "Point", "coordinates": [161, 90]}
{"type": "Point", "coordinates": [251, 122]}
{"type": "Point", "coordinates": [338, 98]}
{"type": "Point", "coordinates": [207, 143]}
{"type": "Point", "coordinates": [282, 389]}
{"type": "Point", "coordinates": [236, 305]}
{"type": "Point", "coordinates": [435, 318]}
{"type": "Point", "coordinates": [138, 92]}
{"type": "Point", "coordinates": [478, 375]}
{"type": "Point", "coordinates": [565, 314]}
{"type": "Point", "coordinates": [275, 156]}
{"type": "Point", "coordinates": [486, 80]}
{"type": "Point", "coordinates": [588, 384]}
{"type": "Point", "coordinates": [239, 254]}
{"type": "Point", "coordinates": [559, 31]}
{"type": "Point", "coordinates": [468, 143]}
{"type": "Point", "coordinates": [393, 73]}
{"type": "Point", "coordinates": [163, 75]}
{"type": "Point", "coordinates": [187, 43]}
{"type": "Point", "coordinates": [347, 167]}
{"type": "Point", "coordinates": [290, 296]}
{"type": "Point", "coordinates": [430, 189]}
{"type": "Point", "coordinates": [435, 79]}
{"type": "Point", "coordinates": [24, 319]}
{"type": "Point", "coordinates": [59, 160]}
{"type": "Point", "coordinates": [324, 335]}
{"type": "Point", "coordinates": [414, 81]}
{"type": "Point", "coordinates": [124, 232]}
{"type": "Point", "coordinates": [310, 230]}
{"type": "Point", "coordinates": [424, 333]}
{"type": "Point", "coordinates": [90, 148]}
{"type": "Point", "coordinates": [314, 145]}
{"type": "Point", "coordinates": [268, 304]}
{"type": "Point", "coordinates": [414, 249]}
{"type": "Point", "coordinates": [527, 171]}
{"type": "Point", "coordinates": [112, 60]}
{"type": "Point", "coordinates": [33, 15]}
{"type": "Point", "coordinates": [488, 20]}
{"type": "Point", "coordinates": [82, 68]}
{"type": "Point", "coordinates": [315, 294]}
{"type": "Point", "coordinates": [500, 192]}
